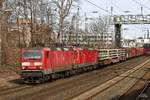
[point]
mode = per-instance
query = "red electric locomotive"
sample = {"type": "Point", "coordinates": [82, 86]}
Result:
{"type": "Point", "coordinates": [39, 65]}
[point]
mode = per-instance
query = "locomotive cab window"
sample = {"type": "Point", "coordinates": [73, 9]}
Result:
{"type": "Point", "coordinates": [32, 55]}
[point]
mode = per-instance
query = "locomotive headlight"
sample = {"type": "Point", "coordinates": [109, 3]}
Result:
{"type": "Point", "coordinates": [23, 67]}
{"type": "Point", "coordinates": [38, 64]}
{"type": "Point", "coordinates": [40, 67]}
{"type": "Point", "coordinates": [25, 64]}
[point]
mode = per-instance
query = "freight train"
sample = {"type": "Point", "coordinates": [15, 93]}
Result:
{"type": "Point", "coordinates": [42, 64]}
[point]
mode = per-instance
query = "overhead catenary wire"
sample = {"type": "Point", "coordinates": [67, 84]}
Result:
{"type": "Point", "coordinates": [116, 6]}
{"type": "Point", "coordinates": [142, 5]}
{"type": "Point", "coordinates": [120, 8]}
{"type": "Point", "coordinates": [113, 5]}
{"type": "Point", "coordinates": [98, 6]}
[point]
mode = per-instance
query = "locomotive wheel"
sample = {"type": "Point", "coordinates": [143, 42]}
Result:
{"type": "Point", "coordinates": [67, 73]}
{"type": "Point", "coordinates": [63, 75]}
{"type": "Point", "coordinates": [41, 80]}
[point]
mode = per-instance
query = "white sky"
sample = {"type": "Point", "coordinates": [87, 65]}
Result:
{"type": "Point", "coordinates": [119, 6]}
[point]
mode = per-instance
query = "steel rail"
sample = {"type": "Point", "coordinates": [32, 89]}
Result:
{"type": "Point", "coordinates": [143, 91]}
{"type": "Point", "coordinates": [99, 89]}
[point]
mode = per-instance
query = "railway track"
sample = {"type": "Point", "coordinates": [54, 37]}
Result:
{"type": "Point", "coordinates": [14, 89]}
{"type": "Point", "coordinates": [67, 88]}
{"type": "Point", "coordinates": [134, 92]}
{"type": "Point", "coordinates": [106, 90]}
{"type": "Point", "coordinates": [144, 93]}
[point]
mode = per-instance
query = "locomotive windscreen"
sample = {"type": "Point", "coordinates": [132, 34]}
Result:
{"type": "Point", "coordinates": [32, 55]}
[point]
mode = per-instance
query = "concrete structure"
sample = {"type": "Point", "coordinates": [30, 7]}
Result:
{"type": "Point", "coordinates": [89, 39]}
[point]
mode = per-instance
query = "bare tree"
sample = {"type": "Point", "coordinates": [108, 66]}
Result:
{"type": "Point", "coordinates": [1, 2]}
{"type": "Point", "coordinates": [5, 39]}
{"type": "Point", "coordinates": [64, 7]}
{"type": "Point", "coordinates": [31, 24]}
{"type": "Point", "coordinates": [33, 10]}
{"type": "Point", "coordinates": [99, 27]}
